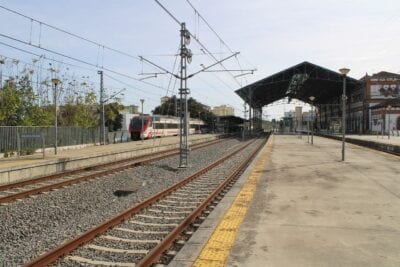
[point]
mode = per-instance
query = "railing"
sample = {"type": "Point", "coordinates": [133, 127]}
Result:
{"type": "Point", "coordinates": [67, 136]}
{"type": "Point", "coordinates": [118, 137]}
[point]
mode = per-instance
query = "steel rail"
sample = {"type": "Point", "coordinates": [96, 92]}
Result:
{"type": "Point", "coordinates": [155, 254]}
{"type": "Point", "coordinates": [34, 191]}
{"type": "Point", "coordinates": [68, 247]}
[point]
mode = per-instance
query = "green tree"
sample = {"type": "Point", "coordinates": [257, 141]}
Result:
{"type": "Point", "coordinates": [195, 108]}
{"type": "Point", "coordinates": [113, 116]}
{"type": "Point", "coordinates": [85, 115]}
{"type": "Point", "coordinates": [38, 116]}
{"type": "Point", "coordinates": [10, 104]}
{"type": "Point", "coordinates": [18, 105]}
{"type": "Point", "coordinates": [66, 114]}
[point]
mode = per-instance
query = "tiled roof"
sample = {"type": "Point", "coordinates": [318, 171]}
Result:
{"type": "Point", "coordinates": [384, 75]}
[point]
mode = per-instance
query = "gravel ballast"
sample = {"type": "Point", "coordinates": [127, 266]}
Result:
{"type": "Point", "coordinates": [32, 226]}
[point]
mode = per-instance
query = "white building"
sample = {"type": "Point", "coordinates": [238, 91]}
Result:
{"type": "Point", "coordinates": [223, 110]}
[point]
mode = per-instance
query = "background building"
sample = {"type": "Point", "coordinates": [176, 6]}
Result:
{"type": "Point", "coordinates": [164, 99]}
{"type": "Point", "coordinates": [385, 117]}
{"type": "Point", "coordinates": [127, 114]}
{"type": "Point", "coordinates": [368, 107]}
{"type": "Point", "coordinates": [223, 110]}
{"type": "Point", "coordinates": [131, 109]}
{"type": "Point", "coordinates": [382, 93]}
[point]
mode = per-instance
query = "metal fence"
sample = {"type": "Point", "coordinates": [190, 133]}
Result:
{"type": "Point", "coordinates": [67, 136]}
{"type": "Point", "coordinates": [118, 137]}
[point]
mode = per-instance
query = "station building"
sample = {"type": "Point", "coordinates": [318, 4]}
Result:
{"type": "Point", "coordinates": [382, 101]}
{"type": "Point", "coordinates": [372, 102]}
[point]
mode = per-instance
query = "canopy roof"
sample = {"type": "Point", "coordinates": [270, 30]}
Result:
{"type": "Point", "coordinates": [300, 81]}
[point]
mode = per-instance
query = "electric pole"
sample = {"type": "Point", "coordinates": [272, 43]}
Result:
{"type": "Point", "coordinates": [102, 118]}
{"type": "Point", "coordinates": [183, 92]}
{"type": "Point", "coordinates": [186, 57]}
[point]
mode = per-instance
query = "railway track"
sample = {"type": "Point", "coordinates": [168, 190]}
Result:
{"type": "Point", "coordinates": [140, 235]}
{"type": "Point", "coordinates": [28, 188]}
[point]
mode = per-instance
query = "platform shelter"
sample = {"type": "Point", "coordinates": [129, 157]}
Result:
{"type": "Point", "coordinates": [301, 82]}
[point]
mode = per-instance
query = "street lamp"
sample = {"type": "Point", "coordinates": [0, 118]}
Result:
{"type": "Point", "coordinates": [142, 135]}
{"type": "Point", "coordinates": [388, 112]}
{"type": "Point", "coordinates": [344, 72]}
{"type": "Point", "coordinates": [312, 98]}
{"type": "Point", "coordinates": [55, 82]}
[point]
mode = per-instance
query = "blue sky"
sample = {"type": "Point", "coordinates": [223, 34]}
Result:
{"type": "Point", "coordinates": [270, 35]}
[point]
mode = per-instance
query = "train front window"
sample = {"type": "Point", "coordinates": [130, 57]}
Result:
{"type": "Point", "coordinates": [137, 123]}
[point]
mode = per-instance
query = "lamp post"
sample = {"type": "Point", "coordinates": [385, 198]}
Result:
{"type": "Point", "coordinates": [55, 82]}
{"type": "Point", "coordinates": [344, 72]}
{"type": "Point", "coordinates": [2, 62]}
{"type": "Point", "coordinates": [308, 128]}
{"type": "Point", "coordinates": [312, 98]}
{"type": "Point", "coordinates": [142, 135]}
{"type": "Point", "coordinates": [388, 112]}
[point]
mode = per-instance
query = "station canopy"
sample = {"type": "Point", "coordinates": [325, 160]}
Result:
{"type": "Point", "coordinates": [300, 81]}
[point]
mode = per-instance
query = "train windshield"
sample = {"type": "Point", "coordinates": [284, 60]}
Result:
{"type": "Point", "coordinates": [137, 122]}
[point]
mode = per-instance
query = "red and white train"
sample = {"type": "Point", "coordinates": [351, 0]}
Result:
{"type": "Point", "coordinates": [159, 126]}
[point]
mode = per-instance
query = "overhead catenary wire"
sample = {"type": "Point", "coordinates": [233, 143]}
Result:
{"type": "Point", "coordinates": [77, 66]}
{"type": "Point", "coordinates": [41, 23]}
{"type": "Point", "coordinates": [209, 26]}
{"type": "Point", "coordinates": [100, 47]}
{"type": "Point", "coordinates": [216, 88]}
{"type": "Point", "coordinates": [95, 66]}
{"type": "Point", "coordinates": [214, 31]}
{"type": "Point", "coordinates": [44, 56]}
{"type": "Point", "coordinates": [129, 85]}
{"type": "Point", "coordinates": [80, 61]}
{"type": "Point", "coordinates": [197, 40]}
{"type": "Point", "coordinates": [33, 65]}
{"type": "Point", "coordinates": [77, 36]}
{"type": "Point", "coordinates": [216, 34]}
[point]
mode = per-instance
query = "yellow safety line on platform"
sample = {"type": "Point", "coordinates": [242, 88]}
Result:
{"type": "Point", "coordinates": [218, 247]}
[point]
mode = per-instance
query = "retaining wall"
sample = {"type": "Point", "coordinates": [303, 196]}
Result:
{"type": "Point", "coordinates": [15, 174]}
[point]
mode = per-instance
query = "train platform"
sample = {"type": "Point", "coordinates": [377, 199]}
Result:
{"type": "Point", "coordinates": [385, 139]}
{"type": "Point", "coordinates": [16, 169]}
{"type": "Point", "coordinates": [393, 140]}
{"type": "Point", "coordinates": [299, 205]}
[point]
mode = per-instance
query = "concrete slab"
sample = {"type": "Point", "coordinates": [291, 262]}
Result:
{"type": "Point", "coordinates": [311, 209]}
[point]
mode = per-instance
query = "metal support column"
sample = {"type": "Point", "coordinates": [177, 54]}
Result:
{"type": "Point", "coordinates": [250, 112]}
{"type": "Point", "coordinates": [244, 121]}
{"type": "Point", "coordinates": [183, 111]}
{"type": "Point", "coordinates": [55, 82]}
{"type": "Point", "coordinates": [344, 72]}
{"type": "Point", "coordinates": [102, 117]}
